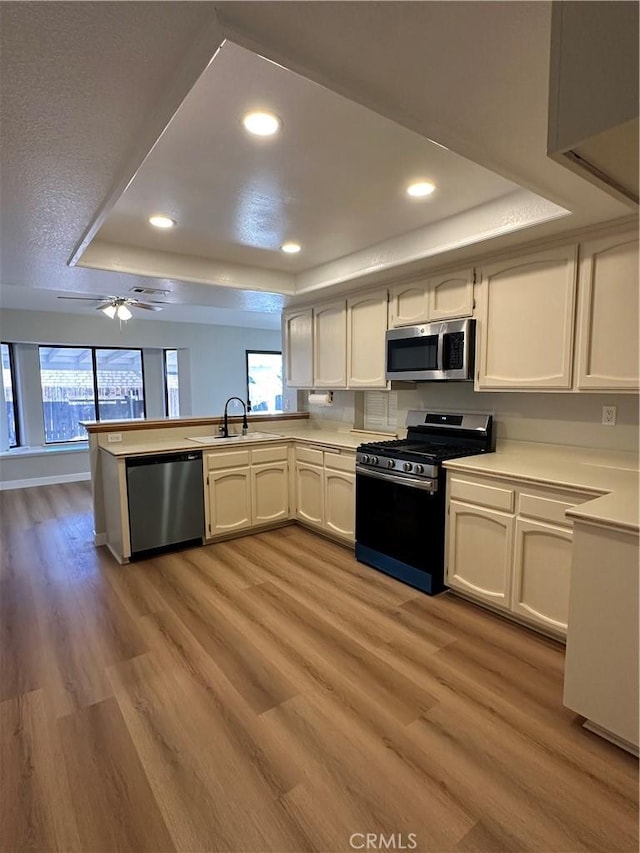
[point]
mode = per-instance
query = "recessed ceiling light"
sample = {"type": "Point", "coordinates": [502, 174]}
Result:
{"type": "Point", "coordinates": [291, 248]}
{"type": "Point", "coordinates": [420, 189]}
{"type": "Point", "coordinates": [261, 123]}
{"type": "Point", "coordinates": [161, 221]}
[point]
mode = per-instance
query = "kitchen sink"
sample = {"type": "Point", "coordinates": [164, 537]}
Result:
{"type": "Point", "coordinates": [233, 439]}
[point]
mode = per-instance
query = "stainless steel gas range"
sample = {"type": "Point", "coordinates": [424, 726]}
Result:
{"type": "Point", "coordinates": [401, 491]}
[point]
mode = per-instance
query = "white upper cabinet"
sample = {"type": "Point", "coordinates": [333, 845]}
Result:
{"type": "Point", "coordinates": [297, 329]}
{"type": "Point", "coordinates": [330, 345]}
{"type": "Point", "coordinates": [441, 297]}
{"type": "Point", "coordinates": [607, 331]}
{"type": "Point", "coordinates": [366, 327]}
{"type": "Point", "coordinates": [527, 309]}
{"type": "Point", "coordinates": [450, 295]}
{"type": "Point", "coordinates": [408, 303]}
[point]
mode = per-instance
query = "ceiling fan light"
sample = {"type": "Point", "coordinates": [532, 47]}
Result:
{"type": "Point", "coordinates": [123, 313]}
{"type": "Point", "coordinates": [110, 311]}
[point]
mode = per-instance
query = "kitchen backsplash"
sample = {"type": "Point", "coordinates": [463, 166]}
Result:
{"type": "Point", "coordinates": [573, 419]}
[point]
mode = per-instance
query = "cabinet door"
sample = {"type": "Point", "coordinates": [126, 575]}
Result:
{"type": "Point", "coordinates": [542, 570]}
{"type": "Point", "coordinates": [269, 492]}
{"type": "Point", "coordinates": [309, 494]}
{"type": "Point", "coordinates": [330, 346]}
{"type": "Point", "coordinates": [298, 347]}
{"type": "Point", "coordinates": [366, 327]}
{"type": "Point", "coordinates": [408, 303]}
{"type": "Point", "coordinates": [229, 500]}
{"type": "Point", "coordinates": [608, 315]}
{"type": "Point", "coordinates": [526, 323]}
{"type": "Point", "coordinates": [480, 547]}
{"type": "Point", "coordinates": [339, 503]}
{"type": "Point", "coordinates": [451, 295]}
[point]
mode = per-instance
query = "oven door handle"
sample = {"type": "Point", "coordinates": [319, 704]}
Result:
{"type": "Point", "coordinates": [399, 479]}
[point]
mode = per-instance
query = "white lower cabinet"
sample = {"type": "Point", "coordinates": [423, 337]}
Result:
{"type": "Point", "coordinates": [517, 557]}
{"type": "Point", "coordinates": [480, 547]}
{"type": "Point", "coordinates": [339, 492]}
{"type": "Point", "coordinates": [229, 500]}
{"type": "Point", "coordinates": [309, 494]}
{"type": "Point", "coordinates": [541, 573]}
{"type": "Point", "coordinates": [325, 491]}
{"type": "Point", "coordinates": [269, 492]}
{"type": "Point", "coordinates": [246, 488]}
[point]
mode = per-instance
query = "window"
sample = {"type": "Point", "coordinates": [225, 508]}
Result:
{"type": "Point", "coordinates": [171, 384]}
{"type": "Point", "coordinates": [74, 378]}
{"type": "Point", "coordinates": [8, 380]}
{"type": "Point", "coordinates": [120, 384]}
{"type": "Point", "coordinates": [264, 381]}
{"type": "Point", "coordinates": [381, 411]}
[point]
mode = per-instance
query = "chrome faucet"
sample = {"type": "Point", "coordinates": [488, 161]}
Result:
{"type": "Point", "coordinates": [224, 429]}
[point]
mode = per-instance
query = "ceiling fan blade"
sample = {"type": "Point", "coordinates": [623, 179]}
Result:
{"type": "Point", "coordinates": [87, 298]}
{"type": "Point", "coordinates": [102, 306]}
{"type": "Point", "coordinates": [145, 306]}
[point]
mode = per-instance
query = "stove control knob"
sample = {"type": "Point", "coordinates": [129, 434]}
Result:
{"type": "Point", "coordinates": [365, 459]}
{"type": "Point", "coordinates": [373, 460]}
{"type": "Point", "coordinates": [391, 464]}
{"type": "Point", "coordinates": [407, 466]}
{"type": "Point", "coordinates": [419, 469]}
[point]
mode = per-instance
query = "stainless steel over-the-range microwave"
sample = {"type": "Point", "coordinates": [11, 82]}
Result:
{"type": "Point", "coordinates": [431, 351]}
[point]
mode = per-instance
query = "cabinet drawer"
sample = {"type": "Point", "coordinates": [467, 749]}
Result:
{"type": "Point", "coordinates": [309, 454]}
{"type": "Point", "coordinates": [545, 508]}
{"type": "Point", "coordinates": [260, 455]}
{"type": "Point", "coordinates": [340, 462]}
{"type": "Point", "coordinates": [228, 459]}
{"type": "Point", "coordinates": [477, 493]}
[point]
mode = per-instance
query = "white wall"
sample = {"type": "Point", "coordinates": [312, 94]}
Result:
{"type": "Point", "coordinates": [217, 353]}
{"type": "Point", "coordinates": [212, 368]}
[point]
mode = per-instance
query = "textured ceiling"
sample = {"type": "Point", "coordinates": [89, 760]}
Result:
{"type": "Point", "coordinates": [333, 179]}
{"type": "Point", "coordinates": [86, 89]}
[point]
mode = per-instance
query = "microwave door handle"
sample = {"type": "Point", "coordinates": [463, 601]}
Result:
{"type": "Point", "coordinates": [440, 353]}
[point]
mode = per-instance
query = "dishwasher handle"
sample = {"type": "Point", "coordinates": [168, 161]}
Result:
{"type": "Point", "coordinates": [164, 458]}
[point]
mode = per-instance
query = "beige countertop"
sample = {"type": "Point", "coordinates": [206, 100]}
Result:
{"type": "Point", "coordinates": [611, 476]}
{"type": "Point", "coordinates": [347, 440]}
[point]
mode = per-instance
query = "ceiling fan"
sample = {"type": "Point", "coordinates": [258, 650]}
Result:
{"type": "Point", "coordinates": [118, 306]}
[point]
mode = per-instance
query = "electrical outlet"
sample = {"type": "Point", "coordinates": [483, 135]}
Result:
{"type": "Point", "coordinates": [114, 436]}
{"type": "Point", "coordinates": [609, 415]}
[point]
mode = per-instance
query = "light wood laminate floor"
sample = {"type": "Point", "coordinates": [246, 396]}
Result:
{"type": "Point", "coordinates": [272, 694]}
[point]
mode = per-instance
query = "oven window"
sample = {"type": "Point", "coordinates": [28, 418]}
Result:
{"type": "Point", "coordinates": [409, 354]}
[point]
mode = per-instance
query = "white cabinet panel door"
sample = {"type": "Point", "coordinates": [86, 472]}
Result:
{"type": "Point", "coordinates": [330, 346]}
{"type": "Point", "coordinates": [339, 503]}
{"type": "Point", "coordinates": [309, 494]}
{"type": "Point", "coordinates": [480, 547]}
{"type": "Point", "coordinates": [526, 324]}
{"type": "Point", "coordinates": [229, 500]}
{"type": "Point", "coordinates": [608, 357]}
{"type": "Point", "coordinates": [451, 295]}
{"type": "Point", "coordinates": [366, 328]}
{"type": "Point", "coordinates": [542, 573]}
{"type": "Point", "coordinates": [408, 303]}
{"type": "Point", "coordinates": [298, 347]}
{"type": "Point", "coordinates": [269, 492]}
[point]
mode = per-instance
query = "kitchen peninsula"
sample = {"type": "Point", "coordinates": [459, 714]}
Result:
{"type": "Point", "coordinates": [284, 470]}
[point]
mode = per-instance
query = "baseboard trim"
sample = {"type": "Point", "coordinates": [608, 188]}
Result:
{"type": "Point", "coordinates": [99, 539]}
{"type": "Point", "coordinates": [55, 480]}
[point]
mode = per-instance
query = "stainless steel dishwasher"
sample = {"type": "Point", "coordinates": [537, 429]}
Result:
{"type": "Point", "coordinates": [166, 501]}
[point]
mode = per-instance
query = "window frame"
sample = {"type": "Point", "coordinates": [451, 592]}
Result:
{"type": "Point", "coordinates": [165, 376]}
{"type": "Point", "coordinates": [249, 352]}
{"type": "Point", "coordinates": [94, 367]}
{"type": "Point", "coordinates": [14, 391]}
